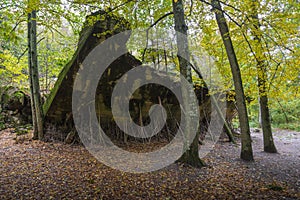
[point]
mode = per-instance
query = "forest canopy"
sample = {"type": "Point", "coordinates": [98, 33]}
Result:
{"type": "Point", "coordinates": [59, 24]}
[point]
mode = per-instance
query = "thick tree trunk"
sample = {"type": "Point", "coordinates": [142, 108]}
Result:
{"type": "Point", "coordinates": [191, 154]}
{"type": "Point", "coordinates": [269, 145]}
{"type": "Point", "coordinates": [246, 152]}
{"type": "Point", "coordinates": [34, 78]}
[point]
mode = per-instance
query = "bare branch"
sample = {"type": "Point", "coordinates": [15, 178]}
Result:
{"type": "Point", "coordinates": [147, 31]}
{"type": "Point", "coordinates": [159, 19]}
{"type": "Point", "coordinates": [191, 8]}
{"type": "Point", "coordinates": [118, 6]}
{"type": "Point", "coordinates": [226, 4]}
{"type": "Point", "coordinates": [19, 58]}
{"type": "Point", "coordinates": [225, 13]}
{"type": "Point", "coordinates": [16, 25]}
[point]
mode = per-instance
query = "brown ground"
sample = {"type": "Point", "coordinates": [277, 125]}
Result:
{"type": "Point", "coordinates": [37, 170]}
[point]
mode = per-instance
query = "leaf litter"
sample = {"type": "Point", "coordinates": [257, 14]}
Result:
{"type": "Point", "coordinates": [38, 170]}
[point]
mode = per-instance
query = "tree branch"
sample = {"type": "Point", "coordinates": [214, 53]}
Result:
{"type": "Point", "coordinates": [118, 6]}
{"type": "Point", "coordinates": [19, 58]}
{"type": "Point", "coordinates": [159, 19]}
{"type": "Point", "coordinates": [147, 31]}
{"type": "Point", "coordinates": [225, 13]}
{"type": "Point", "coordinates": [191, 8]}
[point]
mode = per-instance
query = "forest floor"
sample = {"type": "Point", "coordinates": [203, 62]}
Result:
{"type": "Point", "coordinates": [53, 170]}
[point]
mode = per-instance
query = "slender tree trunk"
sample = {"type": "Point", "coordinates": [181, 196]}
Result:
{"type": "Point", "coordinates": [191, 155]}
{"type": "Point", "coordinates": [47, 66]}
{"type": "Point", "coordinates": [259, 114]}
{"type": "Point", "coordinates": [34, 123]}
{"type": "Point", "coordinates": [246, 152]}
{"type": "Point", "coordinates": [33, 68]}
{"type": "Point", "coordinates": [261, 67]}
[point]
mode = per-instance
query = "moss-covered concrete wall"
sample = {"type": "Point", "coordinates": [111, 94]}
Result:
{"type": "Point", "coordinates": [98, 27]}
{"type": "Point", "coordinates": [58, 107]}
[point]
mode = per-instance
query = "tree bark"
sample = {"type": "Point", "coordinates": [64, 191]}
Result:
{"type": "Point", "coordinates": [261, 67]}
{"type": "Point", "coordinates": [33, 69]}
{"type": "Point", "coordinates": [191, 153]}
{"type": "Point", "coordinates": [34, 123]}
{"type": "Point", "coordinates": [246, 151]}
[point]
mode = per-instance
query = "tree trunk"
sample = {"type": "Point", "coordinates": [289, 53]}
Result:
{"type": "Point", "coordinates": [261, 67]}
{"type": "Point", "coordinates": [33, 68]}
{"type": "Point", "coordinates": [246, 152]}
{"type": "Point", "coordinates": [191, 154]}
{"type": "Point", "coordinates": [34, 123]}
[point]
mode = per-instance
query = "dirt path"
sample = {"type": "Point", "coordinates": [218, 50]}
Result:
{"type": "Point", "coordinates": [37, 170]}
{"type": "Point", "coordinates": [285, 165]}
